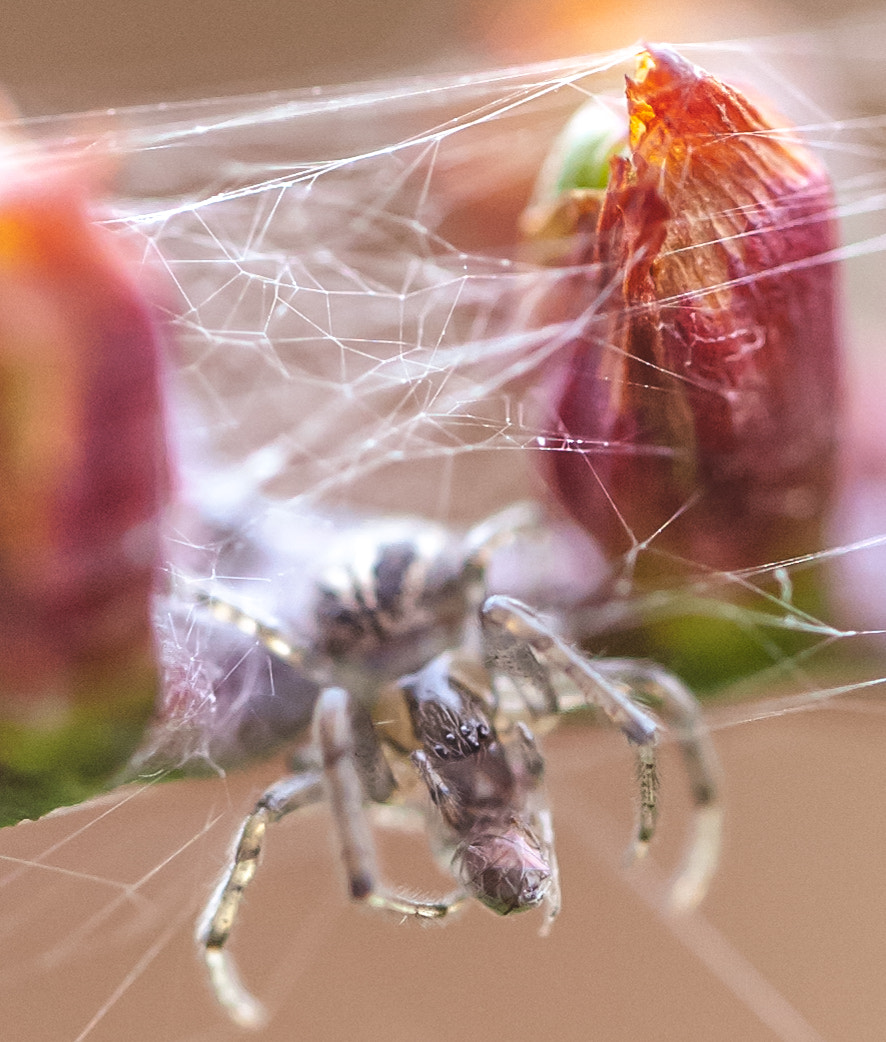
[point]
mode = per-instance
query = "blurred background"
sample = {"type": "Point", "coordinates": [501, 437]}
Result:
{"type": "Point", "coordinates": [59, 57]}
{"type": "Point", "coordinates": [96, 936]}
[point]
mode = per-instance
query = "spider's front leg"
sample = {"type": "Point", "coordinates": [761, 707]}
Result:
{"type": "Point", "coordinates": [355, 769]}
{"type": "Point", "coordinates": [351, 769]}
{"type": "Point", "coordinates": [214, 929]}
{"type": "Point", "coordinates": [682, 714]}
{"type": "Point", "coordinates": [521, 645]}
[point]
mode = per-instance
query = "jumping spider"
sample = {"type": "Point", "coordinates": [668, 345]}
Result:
{"type": "Point", "coordinates": [416, 677]}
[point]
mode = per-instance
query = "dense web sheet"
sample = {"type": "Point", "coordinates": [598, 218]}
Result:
{"type": "Point", "coordinates": [358, 332]}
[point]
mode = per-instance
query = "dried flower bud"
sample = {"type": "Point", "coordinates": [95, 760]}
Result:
{"type": "Point", "coordinates": [83, 478]}
{"type": "Point", "coordinates": [700, 399]}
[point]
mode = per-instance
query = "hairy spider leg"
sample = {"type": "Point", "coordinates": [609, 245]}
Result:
{"type": "Point", "coordinates": [681, 712]}
{"type": "Point", "coordinates": [494, 532]}
{"type": "Point", "coordinates": [284, 796]}
{"type": "Point", "coordinates": [269, 636]}
{"type": "Point", "coordinates": [535, 765]}
{"type": "Point", "coordinates": [521, 645]}
{"type": "Point", "coordinates": [510, 628]}
{"type": "Point", "coordinates": [348, 744]}
{"type": "Point", "coordinates": [352, 769]}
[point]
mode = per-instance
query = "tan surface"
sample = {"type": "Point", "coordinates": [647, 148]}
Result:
{"type": "Point", "coordinates": [789, 944]}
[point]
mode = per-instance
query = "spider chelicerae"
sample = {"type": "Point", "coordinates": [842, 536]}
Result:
{"type": "Point", "coordinates": [412, 679]}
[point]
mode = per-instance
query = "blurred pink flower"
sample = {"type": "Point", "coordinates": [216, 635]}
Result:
{"type": "Point", "coordinates": [83, 480]}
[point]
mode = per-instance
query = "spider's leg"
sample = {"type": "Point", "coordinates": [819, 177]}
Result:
{"type": "Point", "coordinates": [529, 676]}
{"type": "Point", "coordinates": [612, 684]}
{"type": "Point", "coordinates": [269, 635]}
{"type": "Point", "coordinates": [534, 764]}
{"type": "Point", "coordinates": [290, 793]}
{"type": "Point", "coordinates": [681, 711]}
{"type": "Point", "coordinates": [498, 530]}
{"type": "Point", "coordinates": [347, 744]}
{"type": "Point", "coordinates": [530, 754]}
{"type": "Point", "coordinates": [510, 628]}
{"type": "Point", "coordinates": [441, 795]}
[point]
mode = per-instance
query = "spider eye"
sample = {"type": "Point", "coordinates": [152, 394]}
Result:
{"type": "Point", "coordinates": [470, 738]}
{"type": "Point", "coordinates": [507, 871]}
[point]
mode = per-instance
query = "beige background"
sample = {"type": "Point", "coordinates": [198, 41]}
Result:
{"type": "Point", "coordinates": [58, 56]}
{"type": "Point", "coordinates": [95, 933]}
{"type": "Point", "coordinates": [788, 947]}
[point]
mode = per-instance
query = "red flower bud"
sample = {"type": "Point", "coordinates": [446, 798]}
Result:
{"type": "Point", "coordinates": [700, 402]}
{"type": "Point", "coordinates": [83, 478]}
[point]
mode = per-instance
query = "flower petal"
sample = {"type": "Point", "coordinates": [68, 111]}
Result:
{"type": "Point", "coordinates": [83, 479]}
{"type": "Point", "coordinates": [701, 400]}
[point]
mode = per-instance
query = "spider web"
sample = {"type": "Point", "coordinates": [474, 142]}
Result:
{"type": "Point", "coordinates": [356, 333]}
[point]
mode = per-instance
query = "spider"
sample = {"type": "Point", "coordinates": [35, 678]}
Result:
{"type": "Point", "coordinates": [416, 681]}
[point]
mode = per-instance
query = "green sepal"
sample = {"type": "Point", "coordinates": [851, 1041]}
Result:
{"type": "Point", "coordinates": [581, 154]}
{"type": "Point", "coordinates": [60, 755]}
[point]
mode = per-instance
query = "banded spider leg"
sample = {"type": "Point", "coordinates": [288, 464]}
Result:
{"type": "Point", "coordinates": [521, 645]}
